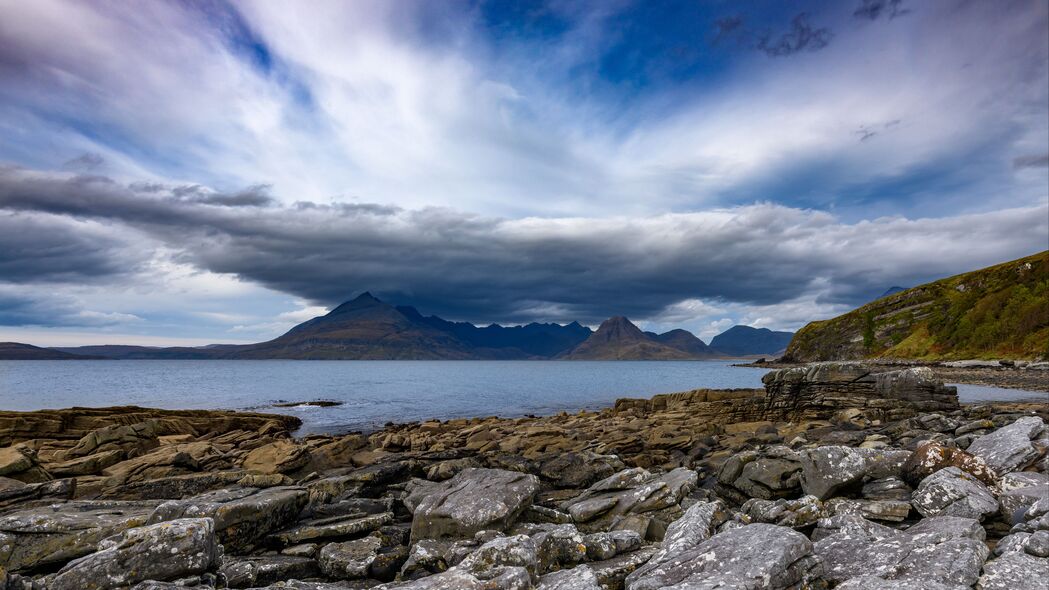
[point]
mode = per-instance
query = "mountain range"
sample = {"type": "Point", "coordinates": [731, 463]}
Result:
{"type": "Point", "coordinates": [1001, 311]}
{"type": "Point", "coordinates": [367, 328]}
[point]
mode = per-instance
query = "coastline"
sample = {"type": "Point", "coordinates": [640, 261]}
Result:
{"type": "Point", "coordinates": [617, 496]}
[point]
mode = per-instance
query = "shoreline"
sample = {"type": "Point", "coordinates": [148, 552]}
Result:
{"type": "Point", "coordinates": [611, 496]}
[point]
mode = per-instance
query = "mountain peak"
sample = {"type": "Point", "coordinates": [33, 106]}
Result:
{"type": "Point", "coordinates": [362, 301]}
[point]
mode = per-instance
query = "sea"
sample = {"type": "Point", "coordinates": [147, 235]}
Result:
{"type": "Point", "coordinates": [372, 393]}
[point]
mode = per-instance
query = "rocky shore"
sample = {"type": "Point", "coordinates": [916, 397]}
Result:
{"type": "Point", "coordinates": [834, 475]}
{"type": "Point", "coordinates": [1032, 376]}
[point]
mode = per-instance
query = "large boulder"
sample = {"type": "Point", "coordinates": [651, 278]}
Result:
{"type": "Point", "coordinates": [944, 550]}
{"type": "Point", "coordinates": [953, 492]}
{"type": "Point", "coordinates": [242, 516]}
{"type": "Point", "coordinates": [1009, 448]}
{"type": "Point", "coordinates": [634, 498]}
{"type": "Point", "coordinates": [472, 501]}
{"type": "Point", "coordinates": [1014, 570]}
{"type": "Point", "coordinates": [579, 469]}
{"type": "Point", "coordinates": [130, 439]}
{"type": "Point", "coordinates": [20, 463]}
{"type": "Point", "coordinates": [931, 456]}
{"type": "Point", "coordinates": [698, 524]}
{"type": "Point", "coordinates": [766, 474]}
{"type": "Point", "coordinates": [280, 456]}
{"type": "Point", "coordinates": [749, 557]}
{"type": "Point", "coordinates": [57, 533]}
{"type": "Point", "coordinates": [160, 552]}
{"type": "Point", "coordinates": [835, 470]}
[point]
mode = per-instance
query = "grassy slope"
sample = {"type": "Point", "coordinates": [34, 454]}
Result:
{"type": "Point", "coordinates": [998, 312]}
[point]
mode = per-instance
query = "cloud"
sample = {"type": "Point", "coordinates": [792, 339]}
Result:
{"type": "Point", "coordinates": [17, 309]}
{"type": "Point", "coordinates": [875, 9]}
{"type": "Point", "coordinates": [801, 37]}
{"type": "Point", "coordinates": [1032, 161]}
{"type": "Point", "coordinates": [481, 268]}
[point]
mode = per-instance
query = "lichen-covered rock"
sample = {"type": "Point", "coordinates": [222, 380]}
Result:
{"type": "Point", "coordinates": [507, 578]}
{"type": "Point", "coordinates": [516, 551]}
{"type": "Point", "coordinates": [767, 474]}
{"type": "Point", "coordinates": [161, 552]}
{"type": "Point", "coordinates": [836, 470]}
{"type": "Point", "coordinates": [628, 494]}
{"type": "Point", "coordinates": [943, 551]}
{"type": "Point", "coordinates": [330, 528]}
{"type": "Point", "coordinates": [579, 469]}
{"type": "Point", "coordinates": [953, 492]}
{"type": "Point", "coordinates": [578, 578]}
{"type": "Point", "coordinates": [799, 513]}
{"type": "Point", "coordinates": [242, 516]}
{"type": "Point", "coordinates": [1009, 448]}
{"type": "Point", "coordinates": [754, 556]}
{"type": "Point", "coordinates": [261, 570]}
{"type": "Point", "coordinates": [57, 533]}
{"type": "Point", "coordinates": [1014, 570]}
{"type": "Point", "coordinates": [931, 457]}
{"type": "Point", "coordinates": [349, 560]}
{"type": "Point", "coordinates": [559, 547]}
{"type": "Point", "coordinates": [1014, 503]}
{"type": "Point", "coordinates": [473, 500]}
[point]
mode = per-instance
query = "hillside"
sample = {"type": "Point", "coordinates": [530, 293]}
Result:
{"type": "Point", "coordinates": [619, 339]}
{"type": "Point", "coordinates": [685, 341]}
{"type": "Point", "coordinates": [998, 312]}
{"type": "Point", "coordinates": [745, 340]}
{"type": "Point", "coordinates": [16, 351]}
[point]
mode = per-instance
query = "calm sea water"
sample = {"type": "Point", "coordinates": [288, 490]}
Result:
{"type": "Point", "coordinates": [372, 392]}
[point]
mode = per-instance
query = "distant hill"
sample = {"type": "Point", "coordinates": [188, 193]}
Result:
{"type": "Point", "coordinates": [16, 351]}
{"type": "Point", "coordinates": [745, 341]}
{"type": "Point", "coordinates": [685, 341]}
{"type": "Point", "coordinates": [997, 312]}
{"type": "Point", "coordinates": [128, 352]}
{"type": "Point", "coordinates": [619, 339]}
{"type": "Point", "coordinates": [892, 291]}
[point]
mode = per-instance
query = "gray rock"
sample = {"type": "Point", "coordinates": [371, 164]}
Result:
{"type": "Point", "coordinates": [1038, 544]}
{"type": "Point", "coordinates": [1009, 448]}
{"type": "Point", "coordinates": [1013, 570]}
{"type": "Point", "coordinates": [612, 573]}
{"type": "Point", "coordinates": [943, 551]}
{"type": "Point", "coordinates": [750, 557]}
{"type": "Point", "coordinates": [243, 516]}
{"type": "Point", "coordinates": [633, 493]}
{"type": "Point", "coordinates": [509, 578]}
{"type": "Point", "coordinates": [953, 492]}
{"type": "Point", "coordinates": [61, 532]}
{"type": "Point", "coordinates": [330, 528]}
{"type": "Point", "coordinates": [473, 500]}
{"type": "Point", "coordinates": [160, 552]}
{"type": "Point", "coordinates": [767, 474]}
{"type": "Point", "coordinates": [800, 513]}
{"type": "Point", "coordinates": [561, 546]}
{"type": "Point", "coordinates": [1022, 479]}
{"type": "Point", "coordinates": [875, 583]}
{"type": "Point", "coordinates": [247, 572]}
{"type": "Point", "coordinates": [885, 510]}
{"type": "Point", "coordinates": [349, 560]}
{"type": "Point", "coordinates": [699, 523]}
{"type": "Point", "coordinates": [1015, 502]}
{"type": "Point", "coordinates": [887, 488]}
{"type": "Point", "coordinates": [835, 470]}
{"type": "Point", "coordinates": [516, 551]}
{"type": "Point", "coordinates": [579, 469]}
{"type": "Point", "coordinates": [578, 578]}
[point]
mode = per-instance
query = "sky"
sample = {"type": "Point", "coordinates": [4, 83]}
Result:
{"type": "Point", "coordinates": [194, 172]}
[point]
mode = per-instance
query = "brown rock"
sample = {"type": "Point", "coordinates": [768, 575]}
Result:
{"type": "Point", "coordinates": [931, 457]}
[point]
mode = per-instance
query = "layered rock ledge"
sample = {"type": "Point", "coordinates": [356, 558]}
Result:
{"type": "Point", "coordinates": [833, 476]}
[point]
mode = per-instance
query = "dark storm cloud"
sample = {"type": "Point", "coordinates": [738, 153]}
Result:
{"type": "Point", "coordinates": [17, 309]}
{"type": "Point", "coordinates": [875, 9]}
{"type": "Point", "coordinates": [802, 36]}
{"type": "Point", "coordinates": [36, 248]}
{"type": "Point", "coordinates": [491, 269]}
{"type": "Point", "coordinates": [1032, 161]}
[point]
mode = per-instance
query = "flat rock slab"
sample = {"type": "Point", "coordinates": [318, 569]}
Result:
{"type": "Point", "coordinates": [159, 552]}
{"type": "Point", "coordinates": [331, 528]}
{"type": "Point", "coordinates": [243, 516]}
{"type": "Point", "coordinates": [749, 557]}
{"type": "Point", "coordinates": [471, 501]}
{"type": "Point", "coordinates": [1009, 448]}
{"type": "Point", "coordinates": [953, 492]}
{"type": "Point", "coordinates": [60, 532]}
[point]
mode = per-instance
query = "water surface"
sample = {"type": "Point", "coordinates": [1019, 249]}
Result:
{"type": "Point", "coordinates": [374, 392]}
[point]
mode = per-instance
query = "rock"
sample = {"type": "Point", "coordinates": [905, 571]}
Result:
{"type": "Point", "coordinates": [800, 513]}
{"type": "Point", "coordinates": [281, 456]}
{"type": "Point", "coordinates": [578, 578]}
{"type": "Point", "coordinates": [612, 501]}
{"type": "Point", "coordinates": [887, 488]}
{"type": "Point", "coordinates": [242, 516]}
{"type": "Point", "coordinates": [698, 524]}
{"type": "Point", "coordinates": [560, 546]}
{"type": "Point", "coordinates": [1009, 448]}
{"type": "Point", "coordinates": [829, 471]}
{"type": "Point", "coordinates": [54, 534]}
{"type": "Point", "coordinates": [1014, 503]}
{"type": "Point", "coordinates": [331, 527]}
{"type": "Point", "coordinates": [253, 571]}
{"type": "Point", "coordinates": [509, 578]}
{"type": "Point", "coordinates": [612, 573]}
{"type": "Point", "coordinates": [768, 474]}
{"type": "Point", "coordinates": [14, 493]}
{"type": "Point", "coordinates": [1013, 570]}
{"type": "Point", "coordinates": [752, 556]}
{"type": "Point", "coordinates": [943, 552]}
{"type": "Point", "coordinates": [579, 469]}
{"type": "Point", "coordinates": [447, 469]}
{"type": "Point", "coordinates": [887, 510]}
{"type": "Point", "coordinates": [473, 500]}
{"type": "Point", "coordinates": [160, 552]}
{"type": "Point", "coordinates": [931, 457]}
{"type": "Point", "coordinates": [517, 551]}
{"type": "Point", "coordinates": [875, 583]}
{"type": "Point", "coordinates": [87, 465]}
{"type": "Point", "coordinates": [131, 440]}
{"type": "Point", "coordinates": [953, 492]}
{"type": "Point", "coordinates": [15, 460]}
{"type": "Point", "coordinates": [349, 560]}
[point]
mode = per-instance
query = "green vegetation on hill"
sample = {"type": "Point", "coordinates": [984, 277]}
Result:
{"type": "Point", "coordinates": [998, 312]}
